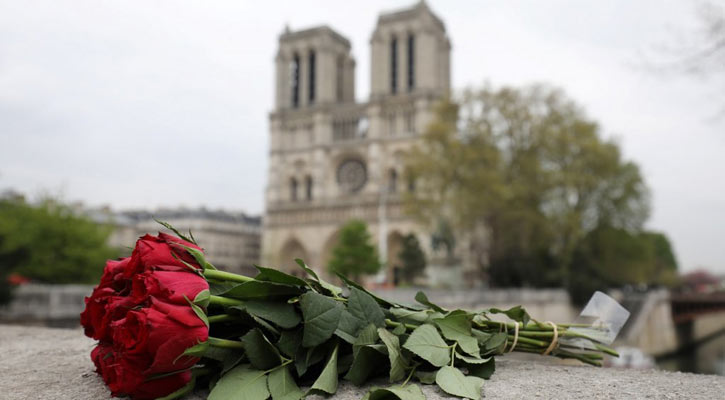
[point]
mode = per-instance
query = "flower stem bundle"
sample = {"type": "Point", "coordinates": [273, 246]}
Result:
{"type": "Point", "coordinates": [167, 322]}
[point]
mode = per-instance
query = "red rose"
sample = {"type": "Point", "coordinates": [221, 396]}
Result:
{"type": "Point", "coordinates": [123, 375]}
{"type": "Point", "coordinates": [169, 286]}
{"type": "Point", "coordinates": [162, 333]}
{"type": "Point", "coordinates": [102, 356]}
{"type": "Point", "coordinates": [102, 308]}
{"type": "Point", "coordinates": [113, 275]}
{"type": "Point", "coordinates": [163, 252]}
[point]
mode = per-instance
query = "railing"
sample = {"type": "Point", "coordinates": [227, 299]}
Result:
{"type": "Point", "coordinates": [45, 303]}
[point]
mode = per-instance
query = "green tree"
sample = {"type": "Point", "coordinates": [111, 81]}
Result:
{"type": "Point", "coordinates": [49, 243]}
{"type": "Point", "coordinates": [412, 258]}
{"type": "Point", "coordinates": [354, 254]}
{"type": "Point", "coordinates": [611, 257]}
{"type": "Point", "coordinates": [525, 176]}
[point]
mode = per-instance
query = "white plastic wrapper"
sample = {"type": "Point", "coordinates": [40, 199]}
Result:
{"type": "Point", "coordinates": [607, 318]}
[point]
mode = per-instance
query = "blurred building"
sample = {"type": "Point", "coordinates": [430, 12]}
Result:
{"type": "Point", "coordinates": [230, 240]}
{"type": "Point", "coordinates": [333, 159]}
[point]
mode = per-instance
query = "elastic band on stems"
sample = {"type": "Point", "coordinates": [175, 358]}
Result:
{"type": "Point", "coordinates": [516, 337]}
{"type": "Point", "coordinates": [554, 341]}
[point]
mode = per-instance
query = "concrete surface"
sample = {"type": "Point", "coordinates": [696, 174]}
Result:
{"type": "Point", "coordinates": [44, 363]}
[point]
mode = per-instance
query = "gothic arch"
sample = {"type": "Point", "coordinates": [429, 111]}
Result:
{"type": "Point", "coordinates": [326, 253]}
{"type": "Point", "coordinates": [292, 249]}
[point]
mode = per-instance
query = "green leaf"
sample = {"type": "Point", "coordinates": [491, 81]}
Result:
{"type": "Point", "coordinates": [305, 358]}
{"type": "Point", "coordinates": [497, 340]}
{"type": "Point", "coordinates": [330, 288]}
{"type": "Point", "coordinates": [198, 311]}
{"type": "Point", "coordinates": [276, 276]}
{"type": "Point", "coordinates": [452, 381]}
{"type": "Point", "coordinates": [198, 350]}
{"type": "Point", "coordinates": [348, 327]}
{"type": "Point", "coordinates": [289, 342]}
{"type": "Point", "coordinates": [421, 298]}
{"type": "Point", "coordinates": [198, 256]}
{"type": "Point", "coordinates": [472, 359]}
{"type": "Point", "coordinates": [282, 385]}
{"type": "Point", "coordinates": [367, 336]}
{"type": "Point", "coordinates": [261, 290]}
{"type": "Point", "coordinates": [481, 336]}
{"type": "Point", "coordinates": [362, 310]}
{"type": "Point", "coordinates": [364, 307]}
{"type": "Point", "coordinates": [307, 269]}
{"type": "Point", "coordinates": [399, 330]}
{"type": "Point", "coordinates": [380, 300]}
{"type": "Point", "coordinates": [415, 316]}
{"type": "Point", "coordinates": [457, 326]}
{"type": "Point", "coordinates": [228, 357]}
{"type": "Point", "coordinates": [202, 298]}
{"type": "Point", "coordinates": [321, 315]}
{"type": "Point", "coordinates": [261, 353]}
{"type": "Point", "coordinates": [281, 314]}
{"type": "Point", "coordinates": [398, 364]}
{"type": "Point", "coordinates": [483, 370]}
{"type": "Point", "coordinates": [515, 313]}
{"type": "Point", "coordinates": [429, 345]}
{"type": "Point", "coordinates": [219, 288]}
{"type": "Point", "coordinates": [264, 324]}
{"type": "Point", "coordinates": [327, 381]}
{"type": "Point", "coordinates": [242, 382]}
{"type": "Point", "coordinates": [427, 377]}
{"type": "Point", "coordinates": [367, 362]}
{"type": "Point", "coordinates": [407, 392]}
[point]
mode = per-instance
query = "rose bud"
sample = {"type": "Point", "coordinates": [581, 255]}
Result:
{"type": "Point", "coordinates": [163, 252]}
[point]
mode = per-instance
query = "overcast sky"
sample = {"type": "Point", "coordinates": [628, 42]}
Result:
{"type": "Point", "coordinates": [140, 104]}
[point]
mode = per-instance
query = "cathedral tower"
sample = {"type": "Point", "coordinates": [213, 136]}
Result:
{"type": "Point", "coordinates": [333, 159]}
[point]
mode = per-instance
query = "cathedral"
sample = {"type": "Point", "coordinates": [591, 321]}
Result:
{"type": "Point", "coordinates": [333, 159]}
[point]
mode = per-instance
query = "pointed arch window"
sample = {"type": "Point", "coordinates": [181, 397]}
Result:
{"type": "Point", "coordinates": [339, 80]}
{"type": "Point", "coordinates": [311, 62]}
{"type": "Point", "coordinates": [394, 65]}
{"type": "Point", "coordinates": [308, 187]}
{"type": "Point", "coordinates": [295, 83]}
{"type": "Point", "coordinates": [293, 189]}
{"type": "Point", "coordinates": [411, 62]}
{"type": "Point", "coordinates": [392, 181]}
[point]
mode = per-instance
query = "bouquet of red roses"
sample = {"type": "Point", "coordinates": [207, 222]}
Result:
{"type": "Point", "coordinates": [166, 321]}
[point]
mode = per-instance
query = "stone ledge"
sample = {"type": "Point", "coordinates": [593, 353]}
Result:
{"type": "Point", "coordinates": [43, 363]}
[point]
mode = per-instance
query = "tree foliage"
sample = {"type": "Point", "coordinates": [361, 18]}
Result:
{"type": "Point", "coordinates": [354, 254]}
{"type": "Point", "coordinates": [610, 257]}
{"type": "Point", "coordinates": [526, 176]}
{"type": "Point", "coordinates": [49, 243]}
{"type": "Point", "coordinates": [412, 258]}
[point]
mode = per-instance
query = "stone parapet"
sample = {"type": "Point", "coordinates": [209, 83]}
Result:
{"type": "Point", "coordinates": [43, 363]}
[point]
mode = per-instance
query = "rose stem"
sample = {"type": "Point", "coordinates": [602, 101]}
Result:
{"type": "Point", "coordinates": [394, 324]}
{"type": "Point", "coordinates": [224, 343]}
{"type": "Point", "coordinates": [225, 276]}
{"type": "Point", "coordinates": [221, 318]}
{"type": "Point", "coordinates": [224, 301]}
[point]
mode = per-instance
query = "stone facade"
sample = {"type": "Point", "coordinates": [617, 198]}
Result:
{"type": "Point", "coordinates": [230, 240]}
{"type": "Point", "coordinates": [333, 159]}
